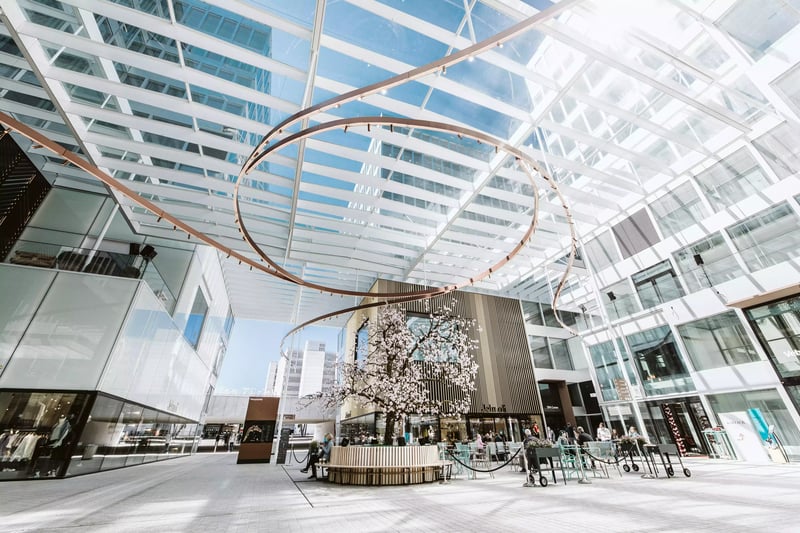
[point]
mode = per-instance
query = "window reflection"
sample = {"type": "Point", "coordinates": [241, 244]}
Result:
{"type": "Point", "coordinates": [659, 362]}
{"type": "Point", "coordinates": [657, 284]}
{"type": "Point", "coordinates": [734, 178]}
{"type": "Point", "coordinates": [678, 209]}
{"type": "Point", "coordinates": [717, 342]}
{"type": "Point", "coordinates": [196, 319]}
{"type": "Point", "coordinates": [38, 431]}
{"type": "Point", "coordinates": [619, 300]}
{"type": "Point", "coordinates": [778, 327]}
{"type": "Point", "coordinates": [119, 433]}
{"type": "Point", "coordinates": [707, 262]}
{"type": "Point", "coordinates": [768, 238]}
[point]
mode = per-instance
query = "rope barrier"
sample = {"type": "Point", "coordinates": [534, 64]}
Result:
{"type": "Point", "coordinates": [510, 459]}
{"type": "Point", "coordinates": [294, 455]}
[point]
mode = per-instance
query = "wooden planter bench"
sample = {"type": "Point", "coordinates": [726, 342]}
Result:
{"type": "Point", "coordinates": [385, 465]}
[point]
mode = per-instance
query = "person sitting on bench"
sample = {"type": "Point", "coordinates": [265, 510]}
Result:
{"type": "Point", "coordinates": [324, 454]}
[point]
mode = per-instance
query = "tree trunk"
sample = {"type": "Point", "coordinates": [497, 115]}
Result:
{"type": "Point", "coordinates": [388, 436]}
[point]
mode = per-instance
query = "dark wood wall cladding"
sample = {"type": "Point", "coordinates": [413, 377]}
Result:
{"type": "Point", "coordinates": [505, 374]}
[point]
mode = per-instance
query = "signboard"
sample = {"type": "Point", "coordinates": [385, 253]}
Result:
{"type": "Point", "coordinates": [259, 430]}
{"type": "Point", "coordinates": [744, 437]}
{"type": "Point", "coordinates": [623, 392]}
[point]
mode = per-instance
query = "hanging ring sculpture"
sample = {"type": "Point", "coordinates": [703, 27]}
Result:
{"type": "Point", "coordinates": [261, 152]}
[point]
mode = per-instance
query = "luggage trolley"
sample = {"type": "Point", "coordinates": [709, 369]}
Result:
{"type": "Point", "coordinates": [667, 451]}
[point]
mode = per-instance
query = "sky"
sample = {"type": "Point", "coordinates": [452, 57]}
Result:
{"type": "Point", "coordinates": [253, 344]}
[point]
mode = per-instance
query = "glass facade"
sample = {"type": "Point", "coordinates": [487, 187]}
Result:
{"type": "Point", "coordinates": [781, 146]}
{"type": "Point", "coordinates": [678, 209]}
{"type": "Point", "coordinates": [619, 300]}
{"type": "Point", "coordinates": [734, 178]}
{"type": "Point", "coordinates": [612, 383]}
{"type": "Point", "coordinates": [768, 238]}
{"type": "Point", "coordinates": [659, 362]}
{"type": "Point", "coordinates": [707, 262]}
{"type": "Point", "coordinates": [657, 285]}
{"type": "Point", "coordinates": [541, 354]}
{"type": "Point", "coordinates": [777, 326]}
{"type": "Point", "coordinates": [196, 319]}
{"type": "Point", "coordinates": [562, 358]}
{"type": "Point", "coordinates": [38, 432]}
{"type": "Point", "coordinates": [717, 341]}
{"type": "Point", "coordinates": [772, 407]}
{"type": "Point", "coordinates": [602, 251]}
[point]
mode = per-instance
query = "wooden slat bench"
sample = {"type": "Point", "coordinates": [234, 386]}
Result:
{"type": "Point", "coordinates": [386, 465]}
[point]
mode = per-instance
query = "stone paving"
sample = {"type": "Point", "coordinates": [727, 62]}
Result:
{"type": "Point", "coordinates": [212, 493]}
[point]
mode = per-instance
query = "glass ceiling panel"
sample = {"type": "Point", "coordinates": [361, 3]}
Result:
{"type": "Point", "coordinates": [298, 11]}
{"type": "Point", "coordinates": [447, 14]}
{"type": "Point", "coordinates": [473, 115]}
{"type": "Point", "coordinates": [377, 34]}
{"type": "Point", "coordinates": [493, 81]}
{"type": "Point", "coordinates": [352, 71]}
{"type": "Point", "coordinates": [223, 24]}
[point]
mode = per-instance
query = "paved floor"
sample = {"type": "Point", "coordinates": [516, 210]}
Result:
{"type": "Point", "coordinates": [211, 493]}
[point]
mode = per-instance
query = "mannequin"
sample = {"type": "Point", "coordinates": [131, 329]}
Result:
{"type": "Point", "coordinates": [59, 432]}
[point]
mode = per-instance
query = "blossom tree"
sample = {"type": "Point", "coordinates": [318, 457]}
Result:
{"type": "Point", "coordinates": [408, 360]}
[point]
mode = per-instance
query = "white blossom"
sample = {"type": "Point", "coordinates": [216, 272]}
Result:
{"type": "Point", "coordinates": [402, 358]}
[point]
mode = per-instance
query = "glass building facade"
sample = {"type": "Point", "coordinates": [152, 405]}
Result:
{"type": "Point", "coordinates": [673, 140]}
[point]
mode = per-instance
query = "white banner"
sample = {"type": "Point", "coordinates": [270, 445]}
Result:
{"type": "Point", "coordinates": [744, 437]}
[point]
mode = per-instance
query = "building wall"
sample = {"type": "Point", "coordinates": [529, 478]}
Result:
{"type": "Point", "coordinates": [505, 380]}
{"type": "Point", "coordinates": [80, 331]}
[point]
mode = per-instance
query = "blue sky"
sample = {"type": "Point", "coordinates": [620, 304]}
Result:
{"type": "Point", "coordinates": [253, 344]}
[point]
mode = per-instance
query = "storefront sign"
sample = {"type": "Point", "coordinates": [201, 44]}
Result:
{"type": "Point", "coordinates": [788, 354]}
{"type": "Point", "coordinates": [743, 436]}
{"type": "Point", "coordinates": [674, 428]}
{"type": "Point", "coordinates": [493, 409]}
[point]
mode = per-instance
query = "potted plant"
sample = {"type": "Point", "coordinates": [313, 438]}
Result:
{"type": "Point", "coordinates": [538, 450]}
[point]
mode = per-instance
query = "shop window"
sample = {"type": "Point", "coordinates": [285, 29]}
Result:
{"type": "Point", "coordinates": [635, 234]}
{"type": "Point", "coordinates": [196, 319]}
{"type": "Point", "coordinates": [734, 178]}
{"type": "Point", "coordinates": [768, 238]}
{"type": "Point", "coordinates": [717, 341]}
{"type": "Point", "coordinates": [774, 410]}
{"type": "Point", "coordinates": [707, 262]}
{"type": "Point", "coordinates": [659, 362]}
{"type": "Point", "coordinates": [38, 431]}
{"type": "Point", "coordinates": [657, 284]}
{"type": "Point", "coordinates": [778, 327]}
{"type": "Point", "coordinates": [619, 300]}
{"type": "Point", "coordinates": [678, 209]}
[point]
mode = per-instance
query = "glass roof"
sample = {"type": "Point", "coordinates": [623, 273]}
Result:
{"type": "Point", "coordinates": [617, 100]}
